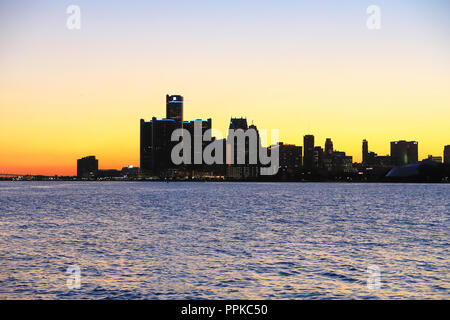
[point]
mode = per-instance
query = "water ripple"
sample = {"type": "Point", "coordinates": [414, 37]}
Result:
{"type": "Point", "coordinates": [224, 240]}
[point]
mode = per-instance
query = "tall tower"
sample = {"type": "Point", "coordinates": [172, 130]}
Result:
{"type": "Point", "coordinates": [447, 154]}
{"type": "Point", "coordinates": [404, 152]}
{"type": "Point", "coordinates": [174, 107]}
{"type": "Point", "coordinates": [238, 123]}
{"type": "Point", "coordinates": [308, 149]}
{"type": "Point", "coordinates": [328, 147]}
{"type": "Point", "coordinates": [365, 151]}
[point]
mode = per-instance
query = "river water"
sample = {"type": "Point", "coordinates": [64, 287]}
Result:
{"type": "Point", "coordinates": [188, 240]}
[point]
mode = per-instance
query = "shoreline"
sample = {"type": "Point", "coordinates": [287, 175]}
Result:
{"type": "Point", "coordinates": [238, 181]}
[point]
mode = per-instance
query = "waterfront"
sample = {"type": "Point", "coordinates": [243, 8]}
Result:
{"type": "Point", "coordinates": [156, 240]}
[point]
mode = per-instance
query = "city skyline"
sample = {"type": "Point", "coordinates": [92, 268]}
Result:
{"type": "Point", "coordinates": [309, 146]}
{"type": "Point", "coordinates": [298, 67]}
{"type": "Point", "coordinates": [173, 147]}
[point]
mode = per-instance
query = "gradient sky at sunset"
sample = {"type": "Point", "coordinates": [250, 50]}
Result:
{"type": "Point", "coordinates": [297, 66]}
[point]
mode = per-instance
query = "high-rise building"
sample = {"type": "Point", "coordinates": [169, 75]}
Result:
{"type": "Point", "coordinates": [197, 151]}
{"type": "Point", "coordinates": [308, 152]}
{"type": "Point", "coordinates": [328, 147]}
{"type": "Point", "coordinates": [404, 152]}
{"type": "Point", "coordinates": [248, 169]}
{"type": "Point", "coordinates": [156, 145]}
{"type": "Point", "coordinates": [174, 107]}
{"type": "Point", "coordinates": [447, 154]}
{"type": "Point", "coordinates": [342, 163]}
{"type": "Point", "coordinates": [290, 157]}
{"type": "Point", "coordinates": [365, 151]}
{"type": "Point", "coordinates": [238, 123]}
{"type": "Point", "coordinates": [87, 167]}
{"type": "Point", "coordinates": [290, 160]}
{"type": "Point", "coordinates": [318, 157]}
{"type": "Point", "coordinates": [373, 160]}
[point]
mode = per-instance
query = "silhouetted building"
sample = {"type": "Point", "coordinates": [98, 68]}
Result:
{"type": "Point", "coordinates": [130, 171]}
{"type": "Point", "coordinates": [434, 159]}
{"type": "Point", "coordinates": [327, 164]}
{"type": "Point", "coordinates": [248, 169]}
{"type": "Point", "coordinates": [342, 163]}
{"type": "Point", "coordinates": [156, 145]}
{"type": "Point", "coordinates": [318, 158]}
{"type": "Point", "coordinates": [405, 171]}
{"type": "Point", "coordinates": [254, 167]}
{"type": "Point", "coordinates": [365, 151]}
{"type": "Point", "coordinates": [404, 152]}
{"type": "Point", "coordinates": [238, 123]}
{"type": "Point", "coordinates": [290, 160]}
{"type": "Point", "coordinates": [87, 167]}
{"type": "Point", "coordinates": [447, 154]}
{"type": "Point", "coordinates": [424, 171]}
{"type": "Point", "coordinates": [373, 160]}
{"type": "Point", "coordinates": [109, 173]}
{"type": "Point", "coordinates": [373, 166]}
{"type": "Point", "coordinates": [328, 147]}
{"type": "Point", "coordinates": [308, 152]}
{"type": "Point", "coordinates": [174, 108]}
{"type": "Point", "coordinates": [197, 169]}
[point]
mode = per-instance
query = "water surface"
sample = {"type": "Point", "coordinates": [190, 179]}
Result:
{"type": "Point", "coordinates": [155, 240]}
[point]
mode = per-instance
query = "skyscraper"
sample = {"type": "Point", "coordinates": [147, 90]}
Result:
{"type": "Point", "coordinates": [174, 107]}
{"type": "Point", "coordinates": [238, 123]}
{"type": "Point", "coordinates": [328, 147]}
{"type": "Point", "coordinates": [248, 169]}
{"type": "Point", "coordinates": [290, 160]}
{"type": "Point", "coordinates": [365, 151]}
{"type": "Point", "coordinates": [404, 152]}
{"type": "Point", "coordinates": [87, 167]}
{"type": "Point", "coordinates": [447, 154]}
{"type": "Point", "coordinates": [156, 145]}
{"type": "Point", "coordinates": [197, 151]}
{"type": "Point", "coordinates": [342, 163]}
{"type": "Point", "coordinates": [318, 157]}
{"type": "Point", "coordinates": [308, 152]}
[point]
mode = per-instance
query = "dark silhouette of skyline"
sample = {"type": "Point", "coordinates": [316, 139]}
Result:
{"type": "Point", "coordinates": [296, 163]}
